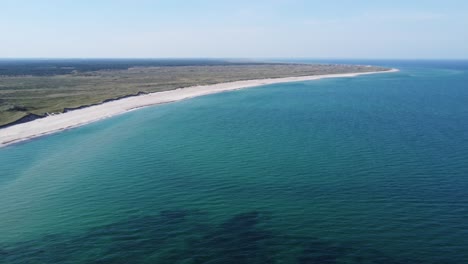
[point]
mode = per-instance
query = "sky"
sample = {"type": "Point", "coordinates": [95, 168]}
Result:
{"type": "Point", "coordinates": [397, 29]}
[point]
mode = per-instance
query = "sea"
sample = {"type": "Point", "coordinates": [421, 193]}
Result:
{"type": "Point", "coordinates": [370, 169]}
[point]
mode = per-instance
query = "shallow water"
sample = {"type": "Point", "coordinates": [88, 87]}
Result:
{"type": "Point", "coordinates": [372, 169]}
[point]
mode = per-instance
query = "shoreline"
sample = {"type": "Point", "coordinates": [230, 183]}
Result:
{"type": "Point", "coordinates": [72, 119]}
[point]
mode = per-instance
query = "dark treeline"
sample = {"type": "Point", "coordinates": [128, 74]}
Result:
{"type": "Point", "coordinates": [50, 67]}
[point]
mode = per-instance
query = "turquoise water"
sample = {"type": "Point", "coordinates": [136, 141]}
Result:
{"type": "Point", "coordinates": [372, 169]}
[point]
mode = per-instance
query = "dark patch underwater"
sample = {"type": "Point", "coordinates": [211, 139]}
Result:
{"type": "Point", "coordinates": [177, 237]}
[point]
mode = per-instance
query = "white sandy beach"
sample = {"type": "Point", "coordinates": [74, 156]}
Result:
{"type": "Point", "coordinates": [55, 123]}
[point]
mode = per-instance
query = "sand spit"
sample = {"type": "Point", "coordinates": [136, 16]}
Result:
{"type": "Point", "coordinates": [59, 122]}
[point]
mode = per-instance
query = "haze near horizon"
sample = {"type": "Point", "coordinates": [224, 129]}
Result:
{"type": "Point", "coordinates": [240, 29]}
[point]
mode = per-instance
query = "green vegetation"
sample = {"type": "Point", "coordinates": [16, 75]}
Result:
{"type": "Point", "coordinates": [21, 95]}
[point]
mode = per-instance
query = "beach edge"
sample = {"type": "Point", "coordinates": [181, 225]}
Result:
{"type": "Point", "coordinates": [72, 119]}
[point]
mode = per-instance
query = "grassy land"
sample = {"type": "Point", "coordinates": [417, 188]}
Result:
{"type": "Point", "coordinates": [22, 95]}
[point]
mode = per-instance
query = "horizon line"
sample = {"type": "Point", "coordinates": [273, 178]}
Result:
{"type": "Point", "coordinates": [223, 58]}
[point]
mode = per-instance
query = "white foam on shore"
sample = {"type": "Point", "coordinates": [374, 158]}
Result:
{"type": "Point", "coordinates": [59, 122]}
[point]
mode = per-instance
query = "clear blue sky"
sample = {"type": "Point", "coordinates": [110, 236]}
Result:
{"type": "Point", "coordinates": [237, 28]}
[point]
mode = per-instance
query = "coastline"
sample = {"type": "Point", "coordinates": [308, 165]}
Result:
{"type": "Point", "coordinates": [56, 123]}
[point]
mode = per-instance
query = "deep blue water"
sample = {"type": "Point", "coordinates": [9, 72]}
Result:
{"type": "Point", "coordinates": [372, 169]}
